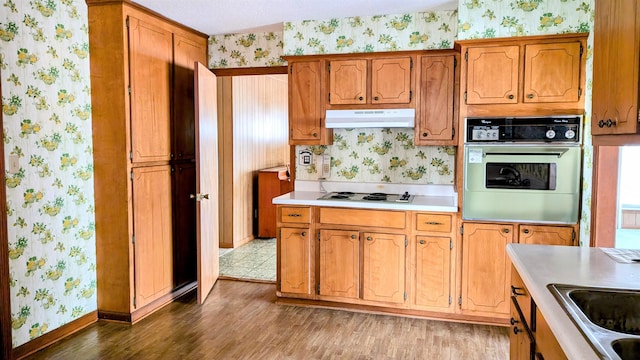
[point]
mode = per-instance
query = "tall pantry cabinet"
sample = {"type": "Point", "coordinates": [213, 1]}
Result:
{"type": "Point", "coordinates": [144, 156]}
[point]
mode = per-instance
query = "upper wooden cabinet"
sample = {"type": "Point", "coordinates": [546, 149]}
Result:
{"type": "Point", "coordinates": [535, 75]}
{"type": "Point", "coordinates": [306, 104]}
{"type": "Point", "coordinates": [435, 120]}
{"type": "Point", "coordinates": [389, 81]}
{"type": "Point", "coordinates": [616, 67]}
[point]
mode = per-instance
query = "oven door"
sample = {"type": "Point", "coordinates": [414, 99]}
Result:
{"type": "Point", "coordinates": [523, 183]}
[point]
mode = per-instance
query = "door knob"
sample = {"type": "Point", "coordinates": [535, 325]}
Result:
{"type": "Point", "coordinates": [199, 197]}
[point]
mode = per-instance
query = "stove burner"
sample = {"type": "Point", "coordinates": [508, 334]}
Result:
{"type": "Point", "coordinates": [378, 194]}
{"type": "Point", "coordinates": [345, 193]}
{"type": "Point", "coordinates": [339, 196]}
{"type": "Point", "coordinates": [375, 197]}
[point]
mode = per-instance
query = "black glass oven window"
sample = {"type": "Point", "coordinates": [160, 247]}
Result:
{"type": "Point", "coordinates": [533, 176]}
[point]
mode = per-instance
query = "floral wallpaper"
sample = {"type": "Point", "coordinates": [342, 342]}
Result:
{"type": "Point", "coordinates": [46, 106]}
{"type": "Point", "coordinates": [414, 31]}
{"type": "Point", "coordinates": [380, 155]}
{"type": "Point", "coordinates": [245, 50]}
{"type": "Point", "coordinates": [505, 18]}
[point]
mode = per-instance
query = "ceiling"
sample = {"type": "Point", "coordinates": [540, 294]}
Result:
{"type": "Point", "coordinates": [242, 16]}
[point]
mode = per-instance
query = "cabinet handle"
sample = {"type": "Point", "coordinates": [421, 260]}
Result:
{"type": "Point", "coordinates": [376, 98]}
{"type": "Point", "coordinates": [530, 96]}
{"type": "Point", "coordinates": [369, 238]}
{"type": "Point", "coordinates": [432, 223]}
{"type": "Point", "coordinates": [304, 233]}
{"type": "Point", "coordinates": [511, 97]}
{"type": "Point", "coordinates": [513, 321]}
{"type": "Point", "coordinates": [353, 236]}
{"type": "Point", "coordinates": [526, 231]}
{"type": "Point", "coordinates": [516, 291]}
{"type": "Point", "coordinates": [424, 134]}
{"type": "Point", "coordinates": [610, 123]}
{"type": "Point", "coordinates": [360, 98]}
{"type": "Point", "coordinates": [506, 231]}
{"type": "Point", "coordinates": [294, 215]}
{"type": "Point", "coordinates": [516, 330]}
{"type": "Point", "coordinates": [422, 242]}
{"type": "Point", "coordinates": [315, 134]}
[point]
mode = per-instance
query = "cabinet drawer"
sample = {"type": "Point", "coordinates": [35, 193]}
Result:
{"type": "Point", "coordinates": [356, 217]}
{"type": "Point", "coordinates": [433, 222]}
{"type": "Point", "coordinates": [295, 214]}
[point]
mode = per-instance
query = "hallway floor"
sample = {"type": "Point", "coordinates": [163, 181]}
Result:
{"type": "Point", "coordinates": [255, 260]}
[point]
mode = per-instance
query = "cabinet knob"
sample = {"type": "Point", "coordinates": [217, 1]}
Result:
{"type": "Point", "coordinates": [315, 134]}
{"type": "Point", "coordinates": [526, 231]}
{"type": "Point", "coordinates": [294, 215]}
{"type": "Point", "coordinates": [513, 321]}
{"type": "Point", "coordinates": [511, 97]}
{"type": "Point", "coordinates": [530, 96]}
{"type": "Point", "coordinates": [180, 154]}
{"type": "Point", "coordinates": [360, 98]}
{"type": "Point", "coordinates": [601, 124]}
{"type": "Point", "coordinates": [505, 230]}
{"type": "Point", "coordinates": [376, 98]}
{"type": "Point", "coordinates": [304, 233]}
{"type": "Point", "coordinates": [369, 238]}
{"type": "Point", "coordinates": [610, 123]}
{"type": "Point", "coordinates": [353, 236]}
{"type": "Point", "coordinates": [516, 330]}
{"type": "Point", "coordinates": [199, 197]}
{"type": "Point", "coordinates": [422, 242]}
{"type": "Point", "coordinates": [424, 134]}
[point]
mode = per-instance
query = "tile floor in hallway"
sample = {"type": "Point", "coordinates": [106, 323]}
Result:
{"type": "Point", "coordinates": [255, 260]}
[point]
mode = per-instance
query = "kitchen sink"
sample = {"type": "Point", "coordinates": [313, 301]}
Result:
{"type": "Point", "coordinates": [608, 318]}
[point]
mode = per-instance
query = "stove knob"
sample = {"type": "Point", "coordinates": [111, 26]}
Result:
{"type": "Point", "coordinates": [550, 134]}
{"type": "Point", "coordinates": [570, 134]}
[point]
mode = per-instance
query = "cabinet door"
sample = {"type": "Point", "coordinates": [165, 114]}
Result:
{"type": "Point", "coordinates": [492, 75]}
{"type": "Point", "coordinates": [305, 102]}
{"type": "Point", "coordinates": [546, 343]}
{"type": "Point", "coordinates": [347, 82]}
{"type": "Point", "coordinates": [552, 72]}
{"type": "Point", "coordinates": [616, 67]}
{"type": "Point", "coordinates": [486, 269]}
{"type": "Point", "coordinates": [384, 267]}
{"type": "Point", "coordinates": [186, 52]}
{"type": "Point", "coordinates": [546, 235]}
{"type": "Point", "coordinates": [340, 263]}
{"type": "Point", "coordinates": [520, 344]}
{"type": "Point", "coordinates": [295, 266]}
{"type": "Point", "coordinates": [391, 81]}
{"type": "Point", "coordinates": [152, 216]}
{"type": "Point", "coordinates": [150, 71]}
{"type": "Point", "coordinates": [184, 217]}
{"type": "Point", "coordinates": [435, 120]}
{"type": "Point", "coordinates": [433, 272]}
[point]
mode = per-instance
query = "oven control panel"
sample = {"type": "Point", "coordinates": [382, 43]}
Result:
{"type": "Point", "coordinates": [560, 129]}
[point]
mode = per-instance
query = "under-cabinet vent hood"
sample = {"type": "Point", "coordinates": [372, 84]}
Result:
{"type": "Point", "coordinates": [378, 118]}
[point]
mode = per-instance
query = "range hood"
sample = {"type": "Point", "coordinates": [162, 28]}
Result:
{"type": "Point", "coordinates": [374, 118]}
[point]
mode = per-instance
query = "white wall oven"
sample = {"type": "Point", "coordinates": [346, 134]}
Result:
{"type": "Point", "coordinates": [522, 169]}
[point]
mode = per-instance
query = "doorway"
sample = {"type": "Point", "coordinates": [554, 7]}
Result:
{"type": "Point", "coordinates": [253, 113]}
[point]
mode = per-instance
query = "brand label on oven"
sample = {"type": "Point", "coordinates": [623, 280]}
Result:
{"type": "Point", "coordinates": [475, 156]}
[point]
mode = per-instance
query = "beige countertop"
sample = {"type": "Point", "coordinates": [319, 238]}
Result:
{"type": "Point", "coordinates": [540, 265]}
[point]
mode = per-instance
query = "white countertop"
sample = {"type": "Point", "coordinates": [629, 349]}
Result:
{"type": "Point", "coordinates": [437, 198]}
{"type": "Point", "coordinates": [540, 265]}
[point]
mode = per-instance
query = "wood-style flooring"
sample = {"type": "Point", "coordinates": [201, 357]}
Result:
{"type": "Point", "coordinates": [240, 320]}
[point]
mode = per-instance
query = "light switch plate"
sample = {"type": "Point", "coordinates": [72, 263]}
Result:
{"type": "Point", "coordinates": [14, 163]}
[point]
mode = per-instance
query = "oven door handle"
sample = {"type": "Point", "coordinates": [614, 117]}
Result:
{"type": "Point", "coordinates": [553, 153]}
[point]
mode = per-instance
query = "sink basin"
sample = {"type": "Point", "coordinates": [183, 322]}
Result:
{"type": "Point", "coordinates": [608, 318]}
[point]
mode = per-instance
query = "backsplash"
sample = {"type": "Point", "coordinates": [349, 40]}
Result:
{"type": "Point", "coordinates": [380, 156]}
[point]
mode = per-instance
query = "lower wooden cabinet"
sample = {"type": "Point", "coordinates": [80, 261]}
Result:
{"type": "Point", "coordinates": [384, 258]}
{"type": "Point", "coordinates": [339, 263]}
{"type": "Point", "coordinates": [433, 285]}
{"type": "Point", "coordinates": [521, 344]}
{"type": "Point", "coordinates": [295, 266]}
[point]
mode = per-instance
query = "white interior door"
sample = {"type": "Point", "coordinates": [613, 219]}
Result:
{"type": "Point", "coordinates": [207, 220]}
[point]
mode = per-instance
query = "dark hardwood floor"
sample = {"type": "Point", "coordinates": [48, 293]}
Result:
{"type": "Point", "coordinates": [241, 321]}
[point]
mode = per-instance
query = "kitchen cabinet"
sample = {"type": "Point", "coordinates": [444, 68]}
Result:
{"type": "Point", "coordinates": [383, 274]}
{"type": "Point", "coordinates": [433, 273]}
{"type": "Point", "coordinates": [339, 258]}
{"type": "Point", "coordinates": [390, 81]}
{"type": "Point", "coordinates": [435, 110]}
{"type": "Point", "coordinates": [306, 104]}
{"type": "Point", "coordinates": [521, 340]}
{"type": "Point", "coordinates": [486, 269]}
{"type": "Point", "coordinates": [294, 250]}
{"type": "Point", "coordinates": [270, 185]}
{"type": "Point", "coordinates": [547, 235]}
{"type": "Point", "coordinates": [547, 346]}
{"type": "Point", "coordinates": [616, 64]}
{"type": "Point", "coordinates": [142, 93]}
{"type": "Point", "coordinates": [526, 76]}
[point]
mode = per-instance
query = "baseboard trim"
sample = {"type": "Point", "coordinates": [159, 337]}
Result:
{"type": "Point", "coordinates": [53, 336]}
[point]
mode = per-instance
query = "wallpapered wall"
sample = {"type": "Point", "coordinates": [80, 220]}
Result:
{"type": "Point", "coordinates": [504, 18]}
{"type": "Point", "coordinates": [245, 50]}
{"type": "Point", "coordinates": [46, 106]}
